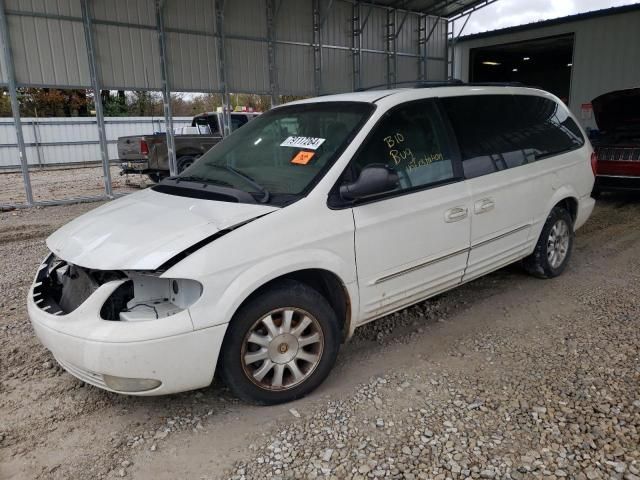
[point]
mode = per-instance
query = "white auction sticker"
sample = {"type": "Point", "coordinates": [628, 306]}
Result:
{"type": "Point", "coordinates": [311, 143]}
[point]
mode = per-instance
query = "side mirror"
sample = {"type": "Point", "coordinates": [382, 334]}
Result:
{"type": "Point", "coordinates": [373, 180]}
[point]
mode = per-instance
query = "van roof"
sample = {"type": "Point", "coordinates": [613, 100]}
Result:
{"type": "Point", "coordinates": [435, 90]}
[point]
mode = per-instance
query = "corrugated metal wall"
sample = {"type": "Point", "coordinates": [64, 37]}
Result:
{"type": "Point", "coordinates": [49, 51]}
{"type": "Point", "coordinates": [66, 140]}
{"type": "Point", "coordinates": [606, 55]}
{"type": "Point", "coordinates": [436, 65]}
{"type": "Point", "coordinates": [70, 8]}
{"type": "Point", "coordinates": [48, 44]}
{"type": "Point", "coordinates": [311, 46]}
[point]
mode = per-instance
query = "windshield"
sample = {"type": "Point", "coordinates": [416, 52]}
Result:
{"type": "Point", "coordinates": [280, 155]}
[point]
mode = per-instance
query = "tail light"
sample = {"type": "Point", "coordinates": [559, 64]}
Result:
{"type": "Point", "coordinates": [144, 147]}
{"type": "Point", "coordinates": [594, 162]}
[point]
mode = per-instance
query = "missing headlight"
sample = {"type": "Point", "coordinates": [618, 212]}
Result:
{"type": "Point", "coordinates": [149, 297]}
{"type": "Point", "coordinates": [117, 302]}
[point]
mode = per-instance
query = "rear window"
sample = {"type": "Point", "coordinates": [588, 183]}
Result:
{"type": "Point", "coordinates": [496, 132]}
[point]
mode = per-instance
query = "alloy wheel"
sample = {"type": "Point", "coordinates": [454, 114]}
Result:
{"type": "Point", "coordinates": [282, 349]}
{"type": "Point", "coordinates": [558, 243]}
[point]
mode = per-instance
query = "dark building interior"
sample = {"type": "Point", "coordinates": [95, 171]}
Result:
{"type": "Point", "coordinates": [545, 63]}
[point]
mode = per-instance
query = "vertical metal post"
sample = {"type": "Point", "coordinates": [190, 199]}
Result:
{"type": "Point", "coordinates": [422, 47]}
{"type": "Point", "coordinates": [449, 36]}
{"type": "Point", "coordinates": [390, 36]}
{"type": "Point", "coordinates": [222, 72]}
{"type": "Point", "coordinates": [317, 48]}
{"type": "Point", "coordinates": [271, 52]}
{"type": "Point", "coordinates": [97, 100]}
{"type": "Point", "coordinates": [15, 105]}
{"type": "Point", "coordinates": [36, 140]}
{"type": "Point", "coordinates": [452, 47]}
{"type": "Point", "coordinates": [356, 44]}
{"type": "Point", "coordinates": [166, 90]}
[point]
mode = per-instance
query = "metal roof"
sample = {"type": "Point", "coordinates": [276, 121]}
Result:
{"type": "Point", "coordinates": [268, 47]}
{"type": "Point", "coordinates": [440, 8]}
{"type": "Point", "coordinates": [554, 21]}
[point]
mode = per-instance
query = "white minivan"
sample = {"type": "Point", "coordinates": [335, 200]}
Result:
{"type": "Point", "coordinates": [317, 217]}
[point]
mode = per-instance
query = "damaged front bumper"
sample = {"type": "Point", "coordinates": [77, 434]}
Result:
{"type": "Point", "coordinates": [140, 357]}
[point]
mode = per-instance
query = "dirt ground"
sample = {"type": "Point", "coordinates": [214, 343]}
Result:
{"type": "Point", "coordinates": [506, 377]}
{"type": "Point", "coordinates": [60, 184]}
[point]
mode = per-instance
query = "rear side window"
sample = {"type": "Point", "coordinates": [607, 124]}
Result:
{"type": "Point", "coordinates": [237, 121]}
{"type": "Point", "coordinates": [496, 132]}
{"type": "Point", "coordinates": [410, 140]}
{"type": "Point", "coordinates": [210, 121]}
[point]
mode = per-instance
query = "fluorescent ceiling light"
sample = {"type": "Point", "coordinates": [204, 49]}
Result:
{"type": "Point", "coordinates": [569, 64]}
{"type": "Point", "coordinates": [526, 58]}
{"type": "Point", "coordinates": [514, 70]}
{"type": "Point", "coordinates": [493, 64]}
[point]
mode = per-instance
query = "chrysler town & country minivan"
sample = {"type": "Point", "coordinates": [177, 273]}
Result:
{"type": "Point", "coordinates": [317, 217]}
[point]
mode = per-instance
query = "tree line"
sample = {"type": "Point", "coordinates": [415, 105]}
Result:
{"type": "Point", "coordinates": [52, 102]}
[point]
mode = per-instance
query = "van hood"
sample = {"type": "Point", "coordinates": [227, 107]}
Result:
{"type": "Point", "coordinates": [618, 110]}
{"type": "Point", "coordinates": [144, 230]}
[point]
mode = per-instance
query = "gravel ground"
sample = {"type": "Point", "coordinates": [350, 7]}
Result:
{"type": "Point", "coordinates": [58, 184]}
{"type": "Point", "coordinates": [505, 377]}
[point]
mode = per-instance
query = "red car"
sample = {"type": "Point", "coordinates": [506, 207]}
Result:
{"type": "Point", "coordinates": [617, 146]}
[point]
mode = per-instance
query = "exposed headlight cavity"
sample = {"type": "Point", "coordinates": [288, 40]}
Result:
{"type": "Point", "coordinates": [149, 297]}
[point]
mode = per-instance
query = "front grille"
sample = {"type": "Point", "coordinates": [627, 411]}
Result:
{"type": "Point", "coordinates": [45, 295]}
{"type": "Point", "coordinates": [618, 154]}
{"type": "Point", "coordinates": [84, 375]}
{"type": "Point", "coordinates": [61, 287]}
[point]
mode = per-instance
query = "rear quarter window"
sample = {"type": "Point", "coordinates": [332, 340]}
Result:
{"type": "Point", "coordinates": [496, 132]}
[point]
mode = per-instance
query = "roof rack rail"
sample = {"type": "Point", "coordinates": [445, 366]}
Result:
{"type": "Point", "coordinates": [496, 84]}
{"type": "Point", "coordinates": [415, 84]}
{"type": "Point", "coordinates": [444, 83]}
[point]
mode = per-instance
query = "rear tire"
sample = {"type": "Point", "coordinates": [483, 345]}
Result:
{"type": "Point", "coordinates": [554, 247]}
{"type": "Point", "coordinates": [185, 162]}
{"type": "Point", "coordinates": [280, 345]}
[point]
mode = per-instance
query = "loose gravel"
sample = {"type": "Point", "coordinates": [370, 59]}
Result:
{"type": "Point", "coordinates": [508, 377]}
{"type": "Point", "coordinates": [65, 183]}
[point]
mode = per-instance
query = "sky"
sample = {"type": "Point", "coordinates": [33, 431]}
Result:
{"type": "Point", "coordinates": [506, 13]}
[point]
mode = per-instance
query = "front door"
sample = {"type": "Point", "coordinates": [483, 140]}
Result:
{"type": "Point", "coordinates": [412, 242]}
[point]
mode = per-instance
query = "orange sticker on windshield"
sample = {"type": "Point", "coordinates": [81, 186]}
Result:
{"type": "Point", "coordinates": [302, 158]}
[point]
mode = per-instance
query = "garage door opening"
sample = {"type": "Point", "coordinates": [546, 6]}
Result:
{"type": "Point", "coordinates": [544, 63]}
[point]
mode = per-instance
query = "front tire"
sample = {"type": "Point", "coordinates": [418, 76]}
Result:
{"type": "Point", "coordinates": [280, 345]}
{"type": "Point", "coordinates": [554, 247]}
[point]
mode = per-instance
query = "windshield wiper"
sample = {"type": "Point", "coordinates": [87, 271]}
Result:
{"type": "Point", "coordinates": [189, 178]}
{"type": "Point", "coordinates": [265, 193]}
{"type": "Point", "coordinates": [196, 179]}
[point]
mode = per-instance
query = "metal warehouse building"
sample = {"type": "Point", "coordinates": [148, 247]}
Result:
{"type": "Point", "coordinates": [269, 47]}
{"type": "Point", "coordinates": [577, 58]}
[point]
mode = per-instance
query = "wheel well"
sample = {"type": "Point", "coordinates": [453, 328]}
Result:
{"type": "Point", "coordinates": [570, 204]}
{"type": "Point", "coordinates": [327, 284]}
{"type": "Point", "coordinates": [184, 153]}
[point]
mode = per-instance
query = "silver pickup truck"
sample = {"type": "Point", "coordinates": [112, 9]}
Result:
{"type": "Point", "coordinates": [147, 154]}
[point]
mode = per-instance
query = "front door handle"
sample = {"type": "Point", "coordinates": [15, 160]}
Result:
{"type": "Point", "coordinates": [455, 214]}
{"type": "Point", "coordinates": [483, 206]}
